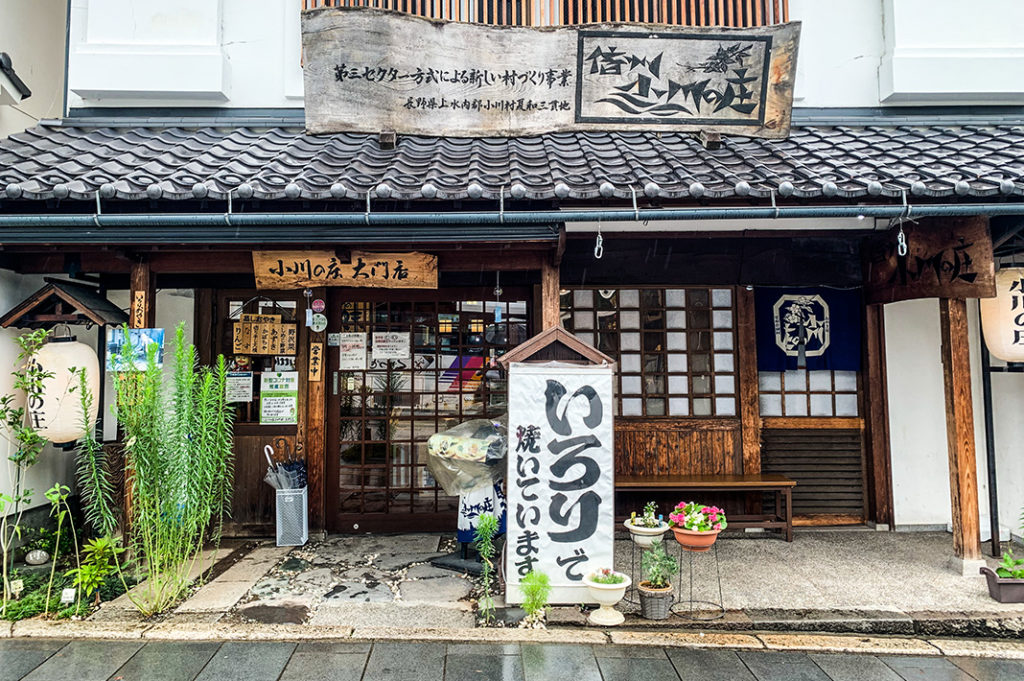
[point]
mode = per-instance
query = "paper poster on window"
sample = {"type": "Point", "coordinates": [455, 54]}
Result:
{"type": "Point", "coordinates": [352, 349]}
{"type": "Point", "coordinates": [391, 345]}
{"type": "Point", "coordinates": [140, 340]}
{"type": "Point", "coordinates": [560, 476]}
{"type": "Point", "coordinates": [238, 386]}
{"type": "Point", "coordinates": [279, 397]}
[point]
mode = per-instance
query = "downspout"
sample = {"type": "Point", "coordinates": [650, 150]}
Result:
{"type": "Point", "coordinates": [990, 445]}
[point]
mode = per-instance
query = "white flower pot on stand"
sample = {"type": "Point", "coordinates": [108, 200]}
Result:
{"type": "Point", "coordinates": [607, 595]}
{"type": "Point", "coordinates": [645, 536]}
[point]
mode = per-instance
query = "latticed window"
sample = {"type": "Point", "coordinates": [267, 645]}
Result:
{"type": "Point", "coordinates": [808, 393]}
{"type": "Point", "coordinates": [675, 348]}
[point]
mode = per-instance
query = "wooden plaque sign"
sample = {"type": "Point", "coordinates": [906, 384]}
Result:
{"type": "Point", "coordinates": [368, 70]}
{"type": "Point", "coordinates": [283, 270]}
{"type": "Point", "coordinates": [946, 258]}
{"type": "Point", "coordinates": [264, 334]}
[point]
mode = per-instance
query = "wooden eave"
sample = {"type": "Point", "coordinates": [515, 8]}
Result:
{"type": "Point", "coordinates": [64, 302]}
{"type": "Point", "coordinates": [556, 335]}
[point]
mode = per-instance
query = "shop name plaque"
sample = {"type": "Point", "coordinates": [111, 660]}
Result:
{"type": "Point", "coordinates": [370, 70]}
{"type": "Point", "coordinates": [283, 270]}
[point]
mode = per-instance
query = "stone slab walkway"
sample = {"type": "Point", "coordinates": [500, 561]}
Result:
{"type": "Point", "coordinates": [57, 660]}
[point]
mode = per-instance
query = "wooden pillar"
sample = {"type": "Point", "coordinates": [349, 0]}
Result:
{"type": "Point", "coordinates": [549, 298]}
{"type": "Point", "coordinates": [750, 409]}
{"type": "Point", "coordinates": [315, 437]}
{"type": "Point", "coordinates": [876, 418]}
{"type": "Point", "coordinates": [963, 467]}
{"type": "Point", "coordinates": [142, 298]}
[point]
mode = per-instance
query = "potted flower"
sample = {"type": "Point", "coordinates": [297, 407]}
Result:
{"type": "Point", "coordinates": [656, 590]}
{"type": "Point", "coordinates": [648, 527]}
{"type": "Point", "coordinates": [607, 587]}
{"type": "Point", "coordinates": [696, 526]}
{"type": "Point", "coordinates": [1006, 582]}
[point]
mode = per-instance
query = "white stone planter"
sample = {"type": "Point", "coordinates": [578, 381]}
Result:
{"type": "Point", "coordinates": [645, 536]}
{"type": "Point", "coordinates": [607, 595]}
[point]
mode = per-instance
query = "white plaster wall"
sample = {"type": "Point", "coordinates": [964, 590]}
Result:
{"type": "Point", "coordinates": [172, 306]}
{"type": "Point", "coordinates": [53, 465]}
{"type": "Point", "coordinates": [32, 32]}
{"type": "Point", "coordinates": [917, 415]}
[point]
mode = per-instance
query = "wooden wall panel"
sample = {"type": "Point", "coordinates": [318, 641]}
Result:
{"type": "Point", "coordinates": [827, 464]}
{"type": "Point", "coordinates": [683, 446]}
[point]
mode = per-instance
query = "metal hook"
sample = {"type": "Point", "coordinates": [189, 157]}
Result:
{"type": "Point", "coordinates": [366, 215]}
{"type": "Point", "coordinates": [227, 216]}
{"type": "Point", "coordinates": [501, 205]}
{"type": "Point", "coordinates": [599, 243]}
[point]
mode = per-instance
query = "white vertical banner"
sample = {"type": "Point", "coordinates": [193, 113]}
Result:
{"type": "Point", "coordinates": [560, 476]}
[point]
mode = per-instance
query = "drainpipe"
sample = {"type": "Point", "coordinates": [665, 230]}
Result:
{"type": "Point", "coordinates": [990, 445]}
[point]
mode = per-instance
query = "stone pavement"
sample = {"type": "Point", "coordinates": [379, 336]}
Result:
{"type": "Point", "coordinates": [91, 660]}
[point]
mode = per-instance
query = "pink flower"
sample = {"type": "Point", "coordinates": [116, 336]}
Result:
{"type": "Point", "coordinates": [717, 526]}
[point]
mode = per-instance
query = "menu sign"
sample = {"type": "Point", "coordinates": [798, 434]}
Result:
{"type": "Point", "coordinates": [352, 348]}
{"type": "Point", "coordinates": [264, 334]}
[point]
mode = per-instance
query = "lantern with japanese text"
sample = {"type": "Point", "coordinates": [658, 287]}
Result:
{"type": "Point", "coordinates": [1002, 317]}
{"type": "Point", "coordinates": [57, 413]}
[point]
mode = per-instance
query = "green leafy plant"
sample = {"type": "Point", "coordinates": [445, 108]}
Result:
{"type": "Point", "coordinates": [1011, 568]}
{"type": "Point", "coordinates": [648, 518]}
{"type": "Point", "coordinates": [607, 576]}
{"type": "Point", "coordinates": [58, 498]}
{"type": "Point", "coordinates": [486, 531]}
{"type": "Point", "coordinates": [179, 466]}
{"type": "Point", "coordinates": [697, 517]}
{"type": "Point", "coordinates": [658, 566]}
{"type": "Point", "coordinates": [98, 561]}
{"type": "Point", "coordinates": [17, 428]}
{"type": "Point", "coordinates": [536, 589]}
{"type": "Point", "coordinates": [94, 484]}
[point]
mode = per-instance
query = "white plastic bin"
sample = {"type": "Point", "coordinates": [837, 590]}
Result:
{"type": "Point", "coordinates": [292, 517]}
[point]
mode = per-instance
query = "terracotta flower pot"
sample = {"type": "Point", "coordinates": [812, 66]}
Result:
{"type": "Point", "coordinates": [695, 541]}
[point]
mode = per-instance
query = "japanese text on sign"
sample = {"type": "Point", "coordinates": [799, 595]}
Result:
{"type": "Point", "coordinates": [305, 269]}
{"type": "Point", "coordinates": [560, 486]}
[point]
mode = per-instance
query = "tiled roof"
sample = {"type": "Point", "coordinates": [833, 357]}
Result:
{"type": "Point", "coordinates": [832, 163]}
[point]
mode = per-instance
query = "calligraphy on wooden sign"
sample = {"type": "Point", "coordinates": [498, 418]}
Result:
{"type": "Point", "coordinates": [282, 270]}
{"type": "Point", "coordinates": [367, 71]}
{"type": "Point", "coordinates": [138, 316]}
{"type": "Point", "coordinates": [946, 258]}
{"type": "Point", "coordinates": [261, 334]}
{"type": "Point", "coordinates": [316, 362]}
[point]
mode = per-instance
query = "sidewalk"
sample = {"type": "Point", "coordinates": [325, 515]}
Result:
{"type": "Point", "coordinates": [56, 660]}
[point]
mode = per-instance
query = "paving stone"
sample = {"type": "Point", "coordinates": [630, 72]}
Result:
{"type": "Point", "coordinates": [85, 661]}
{"type": "Point", "coordinates": [623, 669]}
{"type": "Point", "coordinates": [318, 578]}
{"type": "Point", "coordinates": [356, 592]}
{"type": "Point", "coordinates": [285, 613]}
{"type": "Point", "coordinates": [630, 652]}
{"type": "Point", "coordinates": [848, 667]}
{"type": "Point", "coordinates": [927, 669]}
{"type": "Point", "coordinates": [321, 666]}
{"type": "Point", "coordinates": [483, 668]}
{"type": "Point", "coordinates": [397, 561]}
{"type": "Point", "coordinates": [294, 565]}
{"type": "Point", "coordinates": [782, 666]}
{"type": "Point", "coordinates": [248, 661]}
{"type": "Point", "coordinates": [708, 665]}
{"type": "Point", "coordinates": [167, 661]}
{"type": "Point", "coordinates": [980, 648]}
{"type": "Point", "coordinates": [988, 669]}
{"type": "Point", "coordinates": [427, 571]}
{"type": "Point", "coordinates": [220, 595]}
{"type": "Point", "coordinates": [336, 647]}
{"type": "Point", "coordinates": [484, 649]}
{"type": "Point", "coordinates": [19, 656]}
{"type": "Point", "coordinates": [271, 585]}
{"type": "Point", "coordinates": [363, 573]}
{"type": "Point", "coordinates": [542, 662]}
{"type": "Point", "coordinates": [405, 662]}
{"type": "Point", "coordinates": [442, 590]}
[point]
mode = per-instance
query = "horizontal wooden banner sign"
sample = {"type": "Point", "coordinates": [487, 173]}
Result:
{"type": "Point", "coordinates": [369, 71]}
{"type": "Point", "coordinates": [282, 270]}
{"type": "Point", "coordinates": [946, 258]}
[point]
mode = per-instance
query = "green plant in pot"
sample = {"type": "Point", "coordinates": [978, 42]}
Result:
{"type": "Point", "coordinates": [1006, 582]}
{"type": "Point", "coordinates": [656, 588]}
{"type": "Point", "coordinates": [647, 527]}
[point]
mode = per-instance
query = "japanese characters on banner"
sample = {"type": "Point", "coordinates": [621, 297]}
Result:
{"type": "Point", "coordinates": [1002, 317]}
{"type": "Point", "coordinates": [560, 476]}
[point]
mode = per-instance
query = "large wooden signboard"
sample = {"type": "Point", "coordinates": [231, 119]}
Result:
{"type": "Point", "coordinates": [560, 476]}
{"type": "Point", "coordinates": [368, 71]}
{"type": "Point", "coordinates": [946, 258]}
{"type": "Point", "coordinates": [282, 270]}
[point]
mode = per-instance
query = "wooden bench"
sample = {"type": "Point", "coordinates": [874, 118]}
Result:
{"type": "Point", "coordinates": [780, 485]}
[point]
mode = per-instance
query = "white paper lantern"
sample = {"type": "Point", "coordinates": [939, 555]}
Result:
{"type": "Point", "coordinates": [57, 415]}
{"type": "Point", "coordinates": [1002, 317]}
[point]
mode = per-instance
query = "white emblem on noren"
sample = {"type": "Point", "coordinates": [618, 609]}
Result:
{"type": "Point", "coordinates": [801, 320]}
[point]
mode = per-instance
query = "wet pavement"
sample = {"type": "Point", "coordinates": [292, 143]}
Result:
{"type": "Point", "coordinates": [90, 660]}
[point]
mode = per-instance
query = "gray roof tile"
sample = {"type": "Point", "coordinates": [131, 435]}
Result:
{"type": "Point", "coordinates": [73, 159]}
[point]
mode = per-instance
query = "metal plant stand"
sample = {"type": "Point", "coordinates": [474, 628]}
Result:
{"type": "Point", "coordinates": [686, 608]}
{"type": "Point", "coordinates": [632, 593]}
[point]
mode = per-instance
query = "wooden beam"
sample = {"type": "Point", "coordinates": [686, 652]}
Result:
{"type": "Point", "coordinates": [750, 410]}
{"type": "Point", "coordinates": [549, 295]}
{"type": "Point", "coordinates": [316, 433]}
{"type": "Point", "coordinates": [963, 467]}
{"type": "Point", "coordinates": [876, 415]}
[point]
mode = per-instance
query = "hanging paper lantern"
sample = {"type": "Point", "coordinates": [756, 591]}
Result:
{"type": "Point", "coordinates": [57, 414]}
{"type": "Point", "coordinates": [1002, 317]}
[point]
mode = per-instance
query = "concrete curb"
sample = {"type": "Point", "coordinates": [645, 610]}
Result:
{"type": "Point", "coordinates": [874, 645]}
{"type": "Point", "coordinates": [694, 639]}
{"type": "Point", "coordinates": [480, 635]}
{"type": "Point", "coordinates": [974, 648]}
{"type": "Point", "coordinates": [177, 631]}
{"type": "Point", "coordinates": [34, 628]}
{"type": "Point", "coordinates": [5, 629]}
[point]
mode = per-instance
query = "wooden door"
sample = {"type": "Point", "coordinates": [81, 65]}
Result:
{"type": "Point", "coordinates": [380, 415]}
{"type": "Point", "coordinates": [253, 502]}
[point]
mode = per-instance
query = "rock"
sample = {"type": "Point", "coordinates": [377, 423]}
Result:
{"type": "Point", "coordinates": [317, 578]}
{"type": "Point", "coordinates": [448, 590]}
{"type": "Point", "coordinates": [397, 561]}
{"type": "Point", "coordinates": [427, 571]}
{"type": "Point", "coordinates": [355, 592]}
{"type": "Point", "coordinates": [362, 573]}
{"type": "Point", "coordinates": [294, 565]}
{"type": "Point", "coordinates": [293, 613]}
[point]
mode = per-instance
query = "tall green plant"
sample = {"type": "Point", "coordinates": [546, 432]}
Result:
{"type": "Point", "coordinates": [486, 531]}
{"type": "Point", "coordinates": [536, 588]}
{"type": "Point", "coordinates": [17, 428]}
{"type": "Point", "coordinates": [58, 498]}
{"type": "Point", "coordinates": [94, 484]}
{"type": "Point", "coordinates": [178, 456]}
